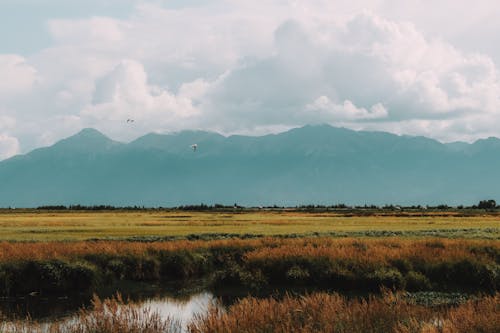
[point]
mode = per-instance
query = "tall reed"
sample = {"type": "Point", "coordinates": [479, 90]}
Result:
{"type": "Point", "coordinates": [111, 315]}
{"type": "Point", "coordinates": [318, 312]}
{"type": "Point", "coordinates": [333, 313]}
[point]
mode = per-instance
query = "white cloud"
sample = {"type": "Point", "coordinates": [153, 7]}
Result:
{"type": "Point", "coordinates": [331, 112]}
{"type": "Point", "coordinates": [6, 122]}
{"type": "Point", "coordinates": [125, 93]}
{"type": "Point", "coordinates": [367, 61]}
{"type": "Point", "coordinates": [242, 67]}
{"type": "Point", "coordinates": [17, 76]}
{"type": "Point", "coordinates": [9, 146]}
{"type": "Point", "coordinates": [95, 30]}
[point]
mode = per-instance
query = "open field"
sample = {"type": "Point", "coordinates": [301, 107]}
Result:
{"type": "Point", "coordinates": [35, 225]}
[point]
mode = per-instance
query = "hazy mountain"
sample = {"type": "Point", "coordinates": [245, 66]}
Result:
{"type": "Point", "coordinates": [312, 164]}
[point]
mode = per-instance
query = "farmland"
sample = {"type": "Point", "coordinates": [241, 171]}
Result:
{"type": "Point", "coordinates": [35, 225]}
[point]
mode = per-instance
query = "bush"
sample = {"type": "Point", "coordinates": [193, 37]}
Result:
{"type": "Point", "coordinates": [117, 267]}
{"type": "Point", "coordinates": [53, 276]}
{"type": "Point", "coordinates": [470, 273]}
{"type": "Point", "coordinates": [297, 274]}
{"type": "Point", "coordinates": [386, 277]}
{"type": "Point", "coordinates": [402, 264]}
{"type": "Point", "coordinates": [416, 281]}
{"type": "Point", "coordinates": [148, 270]}
{"type": "Point", "coordinates": [183, 264]}
{"type": "Point", "coordinates": [238, 276]}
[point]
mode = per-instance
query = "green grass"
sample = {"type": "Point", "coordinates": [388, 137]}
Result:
{"type": "Point", "coordinates": [34, 225]}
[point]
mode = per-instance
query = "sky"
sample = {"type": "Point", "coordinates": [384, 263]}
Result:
{"type": "Point", "coordinates": [413, 67]}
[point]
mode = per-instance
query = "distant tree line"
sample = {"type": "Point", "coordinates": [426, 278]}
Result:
{"type": "Point", "coordinates": [200, 207]}
{"type": "Point", "coordinates": [483, 204]}
{"type": "Point", "coordinates": [205, 207]}
{"type": "Point", "coordinates": [489, 204]}
{"type": "Point", "coordinates": [95, 207]}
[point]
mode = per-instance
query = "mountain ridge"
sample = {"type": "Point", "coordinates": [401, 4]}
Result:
{"type": "Point", "coordinates": [307, 165]}
{"type": "Point", "coordinates": [92, 134]}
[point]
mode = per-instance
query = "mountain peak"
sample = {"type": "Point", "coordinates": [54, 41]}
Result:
{"type": "Point", "coordinates": [87, 139]}
{"type": "Point", "coordinates": [89, 132]}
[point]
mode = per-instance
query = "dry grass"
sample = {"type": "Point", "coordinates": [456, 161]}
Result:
{"type": "Point", "coordinates": [343, 263]}
{"type": "Point", "coordinates": [319, 312]}
{"type": "Point", "coordinates": [482, 316]}
{"type": "Point", "coordinates": [73, 225]}
{"type": "Point", "coordinates": [108, 316]}
{"type": "Point", "coordinates": [334, 313]}
{"type": "Point", "coordinates": [373, 250]}
{"type": "Point", "coordinates": [267, 248]}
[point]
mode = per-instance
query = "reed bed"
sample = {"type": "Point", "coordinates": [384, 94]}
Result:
{"type": "Point", "coordinates": [112, 315]}
{"type": "Point", "coordinates": [376, 250]}
{"type": "Point", "coordinates": [266, 247]}
{"type": "Point", "coordinates": [318, 312]}
{"type": "Point", "coordinates": [350, 263]}
{"type": "Point", "coordinates": [333, 313]}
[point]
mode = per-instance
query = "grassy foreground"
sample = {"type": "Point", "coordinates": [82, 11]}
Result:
{"type": "Point", "coordinates": [60, 252]}
{"type": "Point", "coordinates": [37, 225]}
{"type": "Point", "coordinates": [317, 312]}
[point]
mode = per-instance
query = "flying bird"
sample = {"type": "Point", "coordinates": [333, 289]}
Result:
{"type": "Point", "coordinates": [130, 120]}
{"type": "Point", "coordinates": [194, 147]}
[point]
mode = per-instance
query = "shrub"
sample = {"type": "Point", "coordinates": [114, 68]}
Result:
{"type": "Point", "coordinates": [403, 265]}
{"type": "Point", "coordinates": [238, 276]}
{"type": "Point", "coordinates": [297, 274]}
{"type": "Point", "coordinates": [386, 277]}
{"type": "Point", "coordinates": [148, 270]}
{"type": "Point", "coordinates": [183, 264]}
{"type": "Point", "coordinates": [416, 281]}
{"type": "Point", "coordinates": [84, 276]}
{"type": "Point", "coordinates": [47, 277]}
{"type": "Point", "coordinates": [117, 267]}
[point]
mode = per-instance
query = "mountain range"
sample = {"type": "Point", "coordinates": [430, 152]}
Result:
{"type": "Point", "coordinates": [308, 165]}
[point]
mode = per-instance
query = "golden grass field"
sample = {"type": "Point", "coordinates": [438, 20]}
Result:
{"type": "Point", "coordinates": [35, 225]}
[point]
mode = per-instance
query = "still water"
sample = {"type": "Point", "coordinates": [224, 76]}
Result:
{"type": "Point", "coordinates": [181, 309]}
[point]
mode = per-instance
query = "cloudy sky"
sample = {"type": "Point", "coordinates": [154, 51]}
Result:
{"type": "Point", "coordinates": [416, 67]}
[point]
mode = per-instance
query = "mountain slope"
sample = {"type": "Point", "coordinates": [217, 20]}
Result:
{"type": "Point", "coordinates": [312, 164]}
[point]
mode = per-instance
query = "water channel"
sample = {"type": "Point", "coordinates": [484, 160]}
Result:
{"type": "Point", "coordinates": [179, 303]}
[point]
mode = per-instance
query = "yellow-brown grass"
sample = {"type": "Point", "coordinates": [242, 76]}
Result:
{"type": "Point", "coordinates": [83, 225]}
{"type": "Point", "coordinates": [372, 250]}
{"type": "Point", "coordinates": [106, 316]}
{"type": "Point", "coordinates": [332, 313]}
{"type": "Point", "coordinates": [268, 248]}
{"type": "Point", "coordinates": [319, 312]}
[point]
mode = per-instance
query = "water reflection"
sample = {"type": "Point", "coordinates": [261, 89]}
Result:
{"type": "Point", "coordinates": [180, 310]}
{"type": "Point", "coordinates": [43, 308]}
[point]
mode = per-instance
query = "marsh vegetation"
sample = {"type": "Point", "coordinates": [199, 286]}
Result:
{"type": "Point", "coordinates": [317, 312]}
{"type": "Point", "coordinates": [314, 256]}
